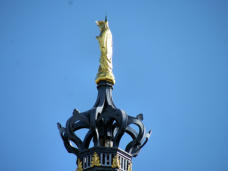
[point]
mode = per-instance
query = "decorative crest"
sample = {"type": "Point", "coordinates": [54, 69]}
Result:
{"type": "Point", "coordinates": [116, 162]}
{"type": "Point", "coordinates": [95, 160]}
{"type": "Point", "coordinates": [129, 167]}
{"type": "Point", "coordinates": [79, 165]}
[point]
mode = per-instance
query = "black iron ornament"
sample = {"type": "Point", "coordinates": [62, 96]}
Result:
{"type": "Point", "coordinates": [106, 126]}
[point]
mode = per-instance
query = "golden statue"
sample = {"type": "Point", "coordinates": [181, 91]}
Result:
{"type": "Point", "coordinates": [105, 42]}
{"type": "Point", "coordinates": [79, 165]}
{"type": "Point", "coordinates": [129, 167]}
{"type": "Point", "coordinates": [95, 160]}
{"type": "Point", "coordinates": [116, 162]}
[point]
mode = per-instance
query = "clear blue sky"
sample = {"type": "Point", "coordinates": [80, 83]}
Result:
{"type": "Point", "coordinates": [170, 62]}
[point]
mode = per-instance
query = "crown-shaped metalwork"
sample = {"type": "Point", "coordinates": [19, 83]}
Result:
{"type": "Point", "coordinates": [106, 125]}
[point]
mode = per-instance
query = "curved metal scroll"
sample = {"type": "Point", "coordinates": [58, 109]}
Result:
{"type": "Point", "coordinates": [105, 123]}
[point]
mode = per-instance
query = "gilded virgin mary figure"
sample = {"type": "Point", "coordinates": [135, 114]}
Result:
{"type": "Point", "coordinates": [105, 43]}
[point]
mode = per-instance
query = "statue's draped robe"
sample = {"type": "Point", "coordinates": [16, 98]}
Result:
{"type": "Point", "coordinates": [105, 68]}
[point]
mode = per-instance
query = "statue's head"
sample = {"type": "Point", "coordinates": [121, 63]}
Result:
{"type": "Point", "coordinates": [102, 24]}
